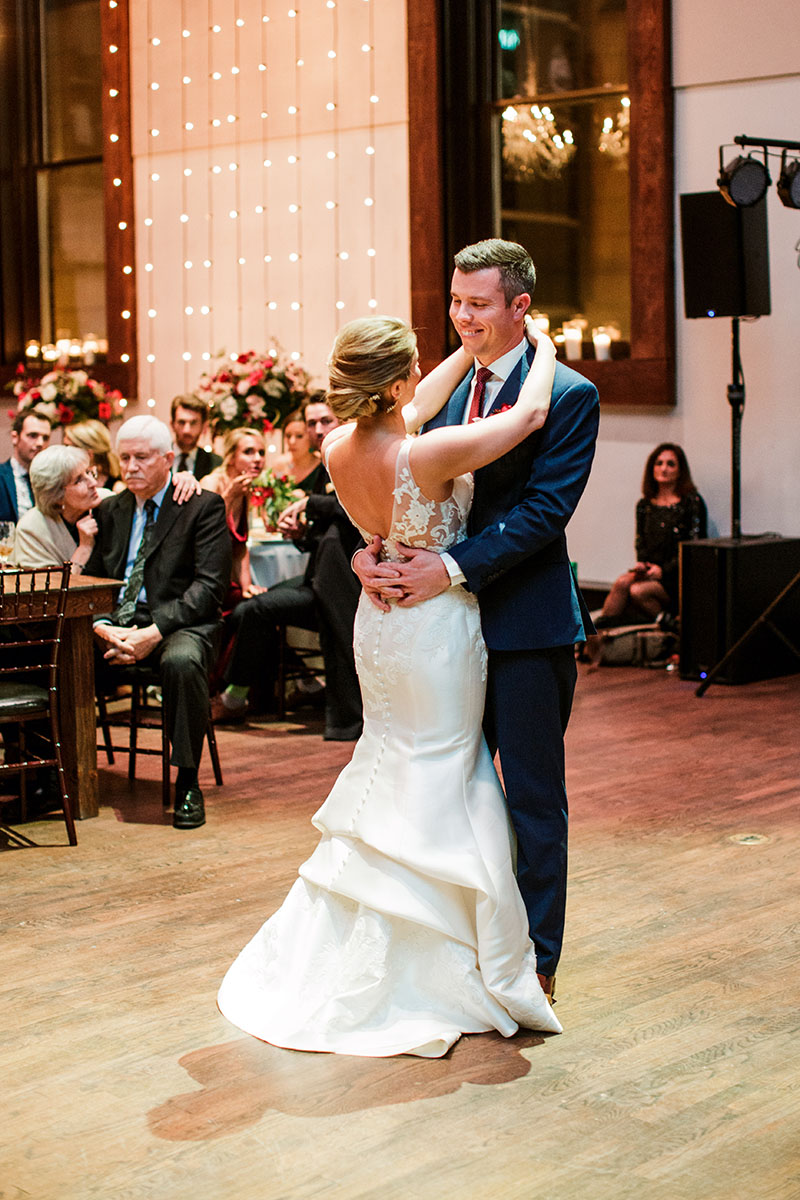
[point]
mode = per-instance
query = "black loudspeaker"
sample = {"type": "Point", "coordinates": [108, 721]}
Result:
{"type": "Point", "coordinates": [725, 257]}
{"type": "Point", "coordinates": [725, 586]}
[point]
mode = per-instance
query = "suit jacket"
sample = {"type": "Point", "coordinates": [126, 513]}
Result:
{"type": "Point", "coordinates": [205, 462]}
{"type": "Point", "coordinates": [515, 557]}
{"type": "Point", "coordinates": [326, 518]}
{"type": "Point", "coordinates": [188, 565]}
{"type": "Point", "coordinates": [8, 493]}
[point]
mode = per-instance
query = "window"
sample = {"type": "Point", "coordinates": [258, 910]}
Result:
{"type": "Point", "coordinates": [60, 271]}
{"type": "Point", "coordinates": [598, 221]}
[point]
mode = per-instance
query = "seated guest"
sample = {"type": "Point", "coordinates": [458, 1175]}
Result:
{"type": "Point", "coordinates": [94, 438]}
{"type": "Point", "coordinates": [670, 511]}
{"type": "Point", "coordinates": [175, 561]}
{"type": "Point", "coordinates": [189, 418]}
{"type": "Point", "coordinates": [60, 526]}
{"type": "Point", "coordinates": [300, 461]}
{"type": "Point", "coordinates": [324, 598]}
{"type": "Point", "coordinates": [242, 461]}
{"type": "Point", "coordinates": [30, 433]}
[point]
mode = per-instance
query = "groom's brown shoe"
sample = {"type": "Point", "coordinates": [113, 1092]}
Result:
{"type": "Point", "coordinates": [548, 983]}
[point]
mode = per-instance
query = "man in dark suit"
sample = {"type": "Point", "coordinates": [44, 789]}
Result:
{"type": "Point", "coordinates": [324, 598]}
{"type": "Point", "coordinates": [176, 563]}
{"type": "Point", "coordinates": [30, 433]}
{"type": "Point", "coordinates": [516, 560]}
{"type": "Point", "coordinates": [189, 418]}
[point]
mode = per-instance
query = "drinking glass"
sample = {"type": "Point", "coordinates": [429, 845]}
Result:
{"type": "Point", "coordinates": [6, 543]}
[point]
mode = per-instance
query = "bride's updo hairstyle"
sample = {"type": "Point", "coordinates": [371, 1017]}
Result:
{"type": "Point", "coordinates": [368, 356]}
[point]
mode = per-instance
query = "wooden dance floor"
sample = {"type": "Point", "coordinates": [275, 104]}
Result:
{"type": "Point", "coordinates": [676, 1077]}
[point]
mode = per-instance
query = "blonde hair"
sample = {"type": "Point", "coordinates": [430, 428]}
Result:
{"type": "Point", "coordinates": [93, 437]}
{"type": "Point", "coordinates": [232, 439]}
{"type": "Point", "coordinates": [368, 356]}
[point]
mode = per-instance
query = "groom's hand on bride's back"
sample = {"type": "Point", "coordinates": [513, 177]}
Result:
{"type": "Point", "coordinates": [421, 576]}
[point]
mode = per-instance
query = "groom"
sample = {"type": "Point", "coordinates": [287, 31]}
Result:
{"type": "Point", "coordinates": [515, 559]}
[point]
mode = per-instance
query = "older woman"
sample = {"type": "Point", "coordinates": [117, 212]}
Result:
{"type": "Point", "coordinates": [94, 438]}
{"type": "Point", "coordinates": [60, 527]}
{"type": "Point", "coordinates": [242, 462]}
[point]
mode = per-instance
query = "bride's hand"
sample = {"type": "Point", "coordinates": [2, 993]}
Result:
{"type": "Point", "coordinates": [535, 335]}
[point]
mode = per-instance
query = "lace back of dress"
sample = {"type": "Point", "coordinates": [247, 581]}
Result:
{"type": "Point", "coordinates": [418, 521]}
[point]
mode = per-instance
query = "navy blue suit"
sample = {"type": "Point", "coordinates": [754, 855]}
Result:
{"type": "Point", "coordinates": [8, 493]}
{"type": "Point", "coordinates": [532, 613]}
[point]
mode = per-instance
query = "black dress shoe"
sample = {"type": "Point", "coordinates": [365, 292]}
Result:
{"type": "Point", "coordinates": [350, 734]}
{"type": "Point", "coordinates": [190, 811]}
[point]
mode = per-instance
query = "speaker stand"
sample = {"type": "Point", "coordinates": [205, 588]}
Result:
{"type": "Point", "coordinates": [764, 619]}
{"type": "Point", "coordinates": [736, 401]}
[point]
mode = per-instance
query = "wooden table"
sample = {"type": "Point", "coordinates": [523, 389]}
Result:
{"type": "Point", "coordinates": [86, 599]}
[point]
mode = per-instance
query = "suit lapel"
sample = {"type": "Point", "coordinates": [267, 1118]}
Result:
{"type": "Point", "coordinates": [454, 412]}
{"type": "Point", "coordinates": [167, 516]}
{"type": "Point", "coordinates": [122, 518]}
{"type": "Point", "coordinates": [507, 396]}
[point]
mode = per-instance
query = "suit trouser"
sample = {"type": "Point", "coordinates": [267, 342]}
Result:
{"type": "Point", "coordinates": [254, 659]}
{"type": "Point", "coordinates": [182, 661]}
{"type": "Point", "coordinates": [256, 648]}
{"type": "Point", "coordinates": [528, 702]}
{"type": "Point", "coordinates": [336, 594]}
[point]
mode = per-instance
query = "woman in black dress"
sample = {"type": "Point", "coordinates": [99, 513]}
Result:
{"type": "Point", "coordinates": [670, 511]}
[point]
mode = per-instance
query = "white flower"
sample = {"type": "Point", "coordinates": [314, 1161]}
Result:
{"type": "Point", "coordinates": [80, 378]}
{"type": "Point", "coordinates": [49, 391]}
{"type": "Point", "coordinates": [228, 408]}
{"type": "Point", "coordinates": [243, 387]}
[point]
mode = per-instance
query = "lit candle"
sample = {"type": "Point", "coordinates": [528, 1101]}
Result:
{"type": "Point", "coordinates": [33, 349]}
{"type": "Point", "coordinates": [542, 321]}
{"type": "Point", "coordinates": [602, 344]}
{"type": "Point", "coordinates": [62, 351]}
{"type": "Point", "coordinates": [89, 350]}
{"type": "Point", "coordinates": [573, 341]}
{"type": "Point", "coordinates": [49, 352]}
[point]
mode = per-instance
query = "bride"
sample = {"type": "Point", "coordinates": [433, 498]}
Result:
{"type": "Point", "coordinates": [405, 927]}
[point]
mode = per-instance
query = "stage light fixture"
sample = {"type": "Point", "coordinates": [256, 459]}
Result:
{"type": "Point", "coordinates": [744, 180]}
{"type": "Point", "coordinates": [789, 182]}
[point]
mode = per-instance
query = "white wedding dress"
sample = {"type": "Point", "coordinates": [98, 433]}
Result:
{"type": "Point", "coordinates": [405, 927]}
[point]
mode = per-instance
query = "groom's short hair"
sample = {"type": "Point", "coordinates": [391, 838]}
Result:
{"type": "Point", "coordinates": [517, 272]}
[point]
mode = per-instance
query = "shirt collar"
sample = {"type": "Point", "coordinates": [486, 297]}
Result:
{"type": "Point", "coordinates": [159, 496]}
{"type": "Point", "coordinates": [18, 468]}
{"type": "Point", "coordinates": [503, 366]}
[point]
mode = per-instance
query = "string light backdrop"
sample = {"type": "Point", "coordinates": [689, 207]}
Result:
{"type": "Point", "coordinates": [270, 151]}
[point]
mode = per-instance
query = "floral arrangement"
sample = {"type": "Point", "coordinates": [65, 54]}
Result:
{"type": "Point", "coordinates": [251, 390]}
{"type": "Point", "coordinates": [270, 494]}
{"type": "Point", "coordinates": [66, 396]}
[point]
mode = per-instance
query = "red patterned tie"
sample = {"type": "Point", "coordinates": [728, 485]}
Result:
{"type": "Point", "coordinates": [481, 378]}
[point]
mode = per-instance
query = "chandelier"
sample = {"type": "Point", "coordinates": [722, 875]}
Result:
{"type": "Point", "coordinates": [615, 134]}
{"type": "Point", "coordinates": [532, 144]}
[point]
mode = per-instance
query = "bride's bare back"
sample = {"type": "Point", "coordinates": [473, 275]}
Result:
{"type": "Point", "coordinates": [363, 466]}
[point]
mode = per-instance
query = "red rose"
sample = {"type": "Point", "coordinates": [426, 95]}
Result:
{"type": "Point", "coordinates": [104, 410]}
{"type": "Point", "coordinates": [267, 425]}
{"type": "Point", "coordinates": [20, 369]}
{"type": "Point", "coordinates": [65, 414]}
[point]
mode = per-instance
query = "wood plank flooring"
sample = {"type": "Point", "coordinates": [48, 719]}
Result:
{"type": "Point", "coordinates": [677, 1076]}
